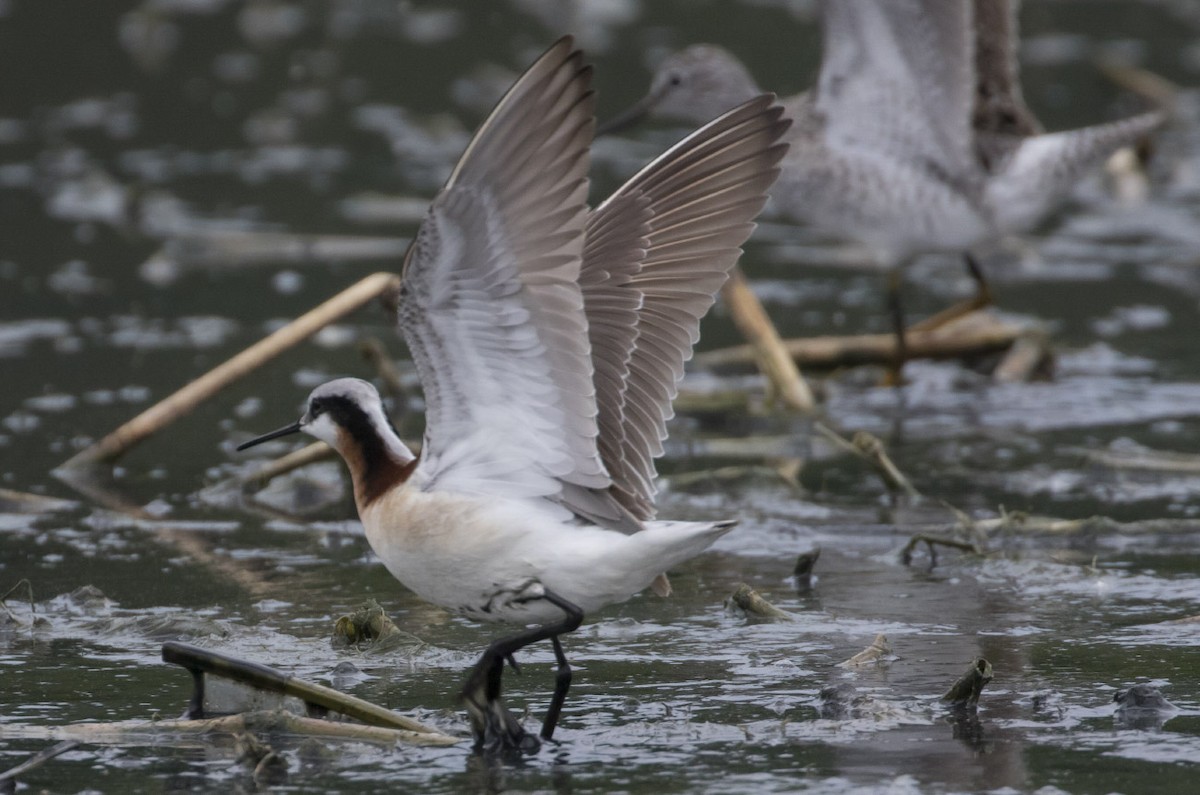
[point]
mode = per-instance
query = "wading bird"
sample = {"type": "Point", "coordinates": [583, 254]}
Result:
{"type": "Point", "coordinates": [550, 341]}
{"type": "Point", "coordinates": [915, 137]}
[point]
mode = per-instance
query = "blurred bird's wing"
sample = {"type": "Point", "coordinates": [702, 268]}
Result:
{"type": "Point", "coordinates": [897, 80]}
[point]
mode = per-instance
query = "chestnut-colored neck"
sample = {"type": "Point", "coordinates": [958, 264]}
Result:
{"type": "Point", "coordinates": [374, 471]}
{"type": "Point", "coordinates": [375, 465]}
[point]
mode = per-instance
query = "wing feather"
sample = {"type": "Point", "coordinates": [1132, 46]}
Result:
{"type": "Point", "coordinates": [657, 252]}
{"type": "Point", "coordinates": [491, 307]}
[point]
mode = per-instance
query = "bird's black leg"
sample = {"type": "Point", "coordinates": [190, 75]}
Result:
{"type": "Point", "coordinates": [562, 683]}
{"type": "Point", "coordinates": [983, 291]}
{"type": "Point", "coordinates": [983, 298]}
{"type": "Point", "coordinates": [896, 309]}
{"type": "Point", "coordinates": [494, 727]}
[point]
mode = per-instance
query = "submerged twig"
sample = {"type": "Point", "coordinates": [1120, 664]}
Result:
{"type": "Point", "coordinates": [786, 385]}
{"type": "Point", "coordinates": [266, 765]}
{"type": "Point", "coordinates": [1029, 357]}
{"type": "Point", "coordinates": [730, 474]}
{"type": "Point", "coordinates": [870, 449]}
{"type": "Point", "coordinates": [29, 590]}
{"type": "Point", "coordinates": [37, 760]}
{"type": "Point", "coordinates": [184, 400]}
{"type": "Point", "coordinates": [1150, 86]}
{"type": "Point", "coordinates": [377, 356]}
{"type": "Point", "coordinates": [1142, 459]}
{"type": "Point", "coordinates": [24, 502]}
{"type": "Point", "coordinates": [971, 335]}
{"type": "Point", "coordinates": [933, 541]}
{"type": "Point", "coordinates": [279, 721]}
{"type": "Point", "coordinates": [309, 454]}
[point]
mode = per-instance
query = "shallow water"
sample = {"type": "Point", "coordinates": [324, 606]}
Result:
{"type": "Point", "coordinates": [157, 164]}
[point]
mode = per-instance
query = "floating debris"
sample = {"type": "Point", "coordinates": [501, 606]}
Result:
{"type": "Point", "coordinates": [140, 732]}
{"type": "Point", "coordinates": [205, 663]}
{"type": "Point", "coordinates": [966, 690]}
{"type": "Point", "coordinates": [877, 652]}
{"type": "Point", "coordinates": [754, 606]}
{"type": "Point", "coordinates": [975, 334]}
{"type": "Point", "coordinates": [835, 702]}
{"type": "Point", "coordinates": [366, 625]}
{"type": "Point", "coordinates": [9, 616]}
{"type": "Point", "coordinates": [934, 541]}
{"type": "Point", "coordinates": [1129, 455]}
{"type": "Point", "coordinates": [267, 765]}
{"type": "Point", "coordinates": [1028, 358]}
{"type": "Point", "coordinates": [1143, 707]}
{"type": "Point", "coordinates": [802, 573]}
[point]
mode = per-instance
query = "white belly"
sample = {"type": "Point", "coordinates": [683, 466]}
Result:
{"type": "Point", "coordinates": [490, 559]}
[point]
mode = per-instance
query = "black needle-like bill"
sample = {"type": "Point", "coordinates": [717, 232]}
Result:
{"type": "Point", "coordinates": [275, 434]}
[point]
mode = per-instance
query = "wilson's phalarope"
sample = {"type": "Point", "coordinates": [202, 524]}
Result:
{"type": "Point", "coordinates": [549, 341]}
{"type": "Point", "coordinates": [915, 138]}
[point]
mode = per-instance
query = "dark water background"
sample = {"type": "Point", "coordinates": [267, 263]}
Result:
{"type": "Point", "coordinates": [159, 160]}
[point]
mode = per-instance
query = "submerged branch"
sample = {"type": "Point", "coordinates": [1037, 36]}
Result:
{"type": "Point", "coordinates": [135, 732]}
{"type": "Point", "coordinates": [9, 776]}
{"type": "Point", "coordinates": [972, 335]}
{"type": "Point", "coordinates": [204, 661]}
{"type": "Point", "coordinates": [309, 454]}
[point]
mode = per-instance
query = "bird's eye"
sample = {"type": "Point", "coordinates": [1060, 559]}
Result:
{"type": "Point", "coordinates": [675, 79]}
{"type": "Point", "coordinates": [316, 407]}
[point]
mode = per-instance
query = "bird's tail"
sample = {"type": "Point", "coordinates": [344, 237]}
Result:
{"type": "Point", "coordinates": [680, 541]}
{"type": "Point", "coordinates": [1044, 168]}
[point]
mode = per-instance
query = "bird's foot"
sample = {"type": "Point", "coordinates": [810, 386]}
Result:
{"type": "Point", "coordinates": [496, 731]}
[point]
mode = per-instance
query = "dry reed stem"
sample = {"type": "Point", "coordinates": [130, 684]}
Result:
{"type": "Point", "coordinates": [786, 384]}
{"type": "Point", "coordinates": [971, 335]}
{"type": "Point", "coordinates": [186, 399]}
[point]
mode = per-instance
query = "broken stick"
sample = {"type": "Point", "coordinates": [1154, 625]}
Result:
{"type": "Point", "coordinates": [783, 376]}
{"type": "Point", "coordinates": [975, 334]}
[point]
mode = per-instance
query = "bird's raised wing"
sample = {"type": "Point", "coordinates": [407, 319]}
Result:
{"type": "Point", "coordinates": [490, 303]}
{"type": "Point", "coordinates": [999, 108]}
{"type": "Point", "coordinates": [897, 79]}
{"type": "Point", "coordinates": [657, 253]}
